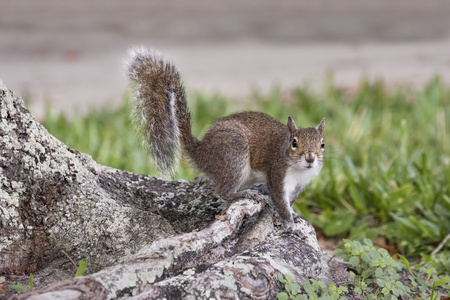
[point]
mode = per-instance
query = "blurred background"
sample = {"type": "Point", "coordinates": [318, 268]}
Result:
{"type": "Point", "coordinates": [71, 53]}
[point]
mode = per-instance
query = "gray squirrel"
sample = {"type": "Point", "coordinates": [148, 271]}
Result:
{"type": "Point", "coordinates": [238, 151]}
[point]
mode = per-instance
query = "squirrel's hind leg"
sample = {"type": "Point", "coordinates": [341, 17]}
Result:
{"type": "Point", "coordinates": [230, 166]}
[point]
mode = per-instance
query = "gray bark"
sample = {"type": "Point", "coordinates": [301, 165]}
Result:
{"type": "Point", "coordinates": [142, 237]}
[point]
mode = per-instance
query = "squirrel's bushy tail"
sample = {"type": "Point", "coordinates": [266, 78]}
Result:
{"type": "Point", "coordinates": [160, 110]}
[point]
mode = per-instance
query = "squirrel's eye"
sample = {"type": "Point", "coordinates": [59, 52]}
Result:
{"type": "Point", "coordinates": [294, 143]}
{"type": "Point", "coordinates": [322, 145]}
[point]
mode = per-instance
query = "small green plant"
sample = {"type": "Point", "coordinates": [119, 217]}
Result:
{"type": "Point", "coordinates": [81, 269]}
{"type": "Point", "coordinates": [377, 274]}
{"type": "Point", "coordinates": [312, 289]}
{"type": "Point", "coordinates": [291, 290]}
{"type": "Point", "coordinates": [21, 287]}
{"type": "Point", "coordinates": [424, 277]}
{"type": "Point", "coordinates": [373, 269]}
{"type": "Point", "coordinates": [440, 261]}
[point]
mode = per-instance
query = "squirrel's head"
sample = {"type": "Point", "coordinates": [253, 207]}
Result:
{"type": "Point", "coordinates": [306, 145]}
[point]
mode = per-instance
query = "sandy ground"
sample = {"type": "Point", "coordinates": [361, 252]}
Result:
{"type": "Point", "coordinates": [71, 53]}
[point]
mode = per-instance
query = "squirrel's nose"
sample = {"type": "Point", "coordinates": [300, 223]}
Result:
{"type": "Point", "coordinates": [310, 157]}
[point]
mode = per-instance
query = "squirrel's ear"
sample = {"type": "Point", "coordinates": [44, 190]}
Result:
{"type": "Point", "coordinates": [321, 126]}
{"type": "Point", "coordinates": [291, 124]}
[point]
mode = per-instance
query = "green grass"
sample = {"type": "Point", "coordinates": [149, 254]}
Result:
{"type": "Point", "coordinates": [387, 167]}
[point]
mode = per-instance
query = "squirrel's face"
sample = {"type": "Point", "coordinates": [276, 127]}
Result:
{"type": "Point", "coordinates": [307, 146]}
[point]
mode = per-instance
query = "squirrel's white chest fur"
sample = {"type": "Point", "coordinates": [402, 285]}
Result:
{"type": "Point", "coordinates": [297, 177]}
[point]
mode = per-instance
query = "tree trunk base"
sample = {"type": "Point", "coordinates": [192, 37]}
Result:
{"type": "Point", "coordinates": [142, 237]}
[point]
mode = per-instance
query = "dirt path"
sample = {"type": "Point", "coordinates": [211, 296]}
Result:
{"type": "Point", "coordinates": [71, 53]}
